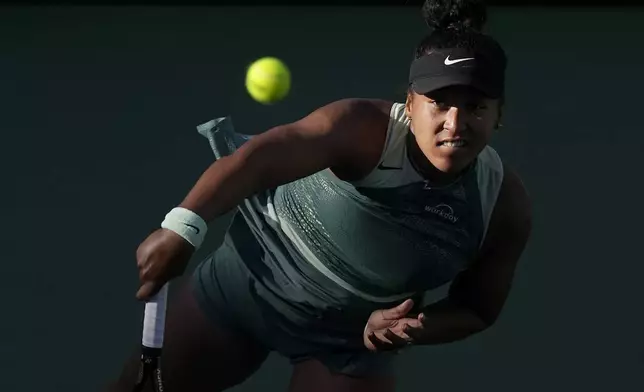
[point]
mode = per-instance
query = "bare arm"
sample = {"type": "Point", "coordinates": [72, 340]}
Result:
{"type": "Point", "coordinates": [477, 295]}
{"type": "Point", "coordinates": [346, 136]}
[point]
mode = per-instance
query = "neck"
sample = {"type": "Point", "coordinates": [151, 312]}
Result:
{"type": "Point", "coordinates": [425, 168]}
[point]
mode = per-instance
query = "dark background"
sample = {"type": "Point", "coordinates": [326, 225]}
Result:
{"type": "Point", "coordinates": [99, 108]}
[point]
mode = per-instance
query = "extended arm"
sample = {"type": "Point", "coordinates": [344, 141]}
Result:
{"type": "Point", "coordinates": [346, 136]}
{"type": "Point", "coordinates": [476, 297]}
{"type": "Point", "coordinates": [343, 135]}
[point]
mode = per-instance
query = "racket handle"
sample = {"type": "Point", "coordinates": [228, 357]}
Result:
{"type": "Point", "coordinates": [154, 319]}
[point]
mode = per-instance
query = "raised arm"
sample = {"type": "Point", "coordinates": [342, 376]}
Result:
{"type": "Point", "coordinates": [346, 135]}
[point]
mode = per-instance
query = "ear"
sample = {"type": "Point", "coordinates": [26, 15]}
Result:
{"type": "Point", "coordinates": [408, 104]}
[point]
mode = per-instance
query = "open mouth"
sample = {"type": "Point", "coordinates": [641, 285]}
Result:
{"type": "Point", "coordinates": [453, 143]}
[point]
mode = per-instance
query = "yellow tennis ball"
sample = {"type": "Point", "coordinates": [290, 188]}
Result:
{"type": "Point", "coordinates": [268, 80]}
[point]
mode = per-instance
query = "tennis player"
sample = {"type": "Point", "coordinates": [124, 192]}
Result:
{"type": "Point", "coordinates": [343, 220]}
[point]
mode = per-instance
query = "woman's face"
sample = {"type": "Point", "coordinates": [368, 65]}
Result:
{"type": "Point", "coordinates": [452, 125]}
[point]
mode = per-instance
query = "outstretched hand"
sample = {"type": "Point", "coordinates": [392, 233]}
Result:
{"type": "Point", "coordinates": [390, 329]}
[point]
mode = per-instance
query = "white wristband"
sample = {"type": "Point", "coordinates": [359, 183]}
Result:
{"type": "Point", "coordinates": [187, 224]}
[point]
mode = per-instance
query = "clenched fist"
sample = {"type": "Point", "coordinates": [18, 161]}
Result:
{"type": "Point", "coordinates": [162, 256]}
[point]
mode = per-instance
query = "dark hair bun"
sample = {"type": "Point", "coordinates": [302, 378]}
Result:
{"type": "Point", "coordinates": [460, 15]}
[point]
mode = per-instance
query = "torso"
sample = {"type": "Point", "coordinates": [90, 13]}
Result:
{"type": "Point", "coordinates": [382, 238]}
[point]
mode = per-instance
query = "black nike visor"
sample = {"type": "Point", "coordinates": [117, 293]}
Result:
{"type": "Point", "coordinates": [482, 70]}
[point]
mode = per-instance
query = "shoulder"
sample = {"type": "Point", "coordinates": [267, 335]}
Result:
{"type": "Point", "coordinates": [513, 196]}
{"type": "Point", "coordinates": [360, 125]}
{"type": "Point", "coordinates": [512, 215]}
{"type": "Point", "coordinates": [355, 111]}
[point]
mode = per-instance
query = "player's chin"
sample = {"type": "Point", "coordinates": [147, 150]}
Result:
{"type": "Point", "coordinates": [453, 161]}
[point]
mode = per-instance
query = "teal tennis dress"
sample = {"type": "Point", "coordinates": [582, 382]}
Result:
{"type": "Point", "coordinates": [302, 266]}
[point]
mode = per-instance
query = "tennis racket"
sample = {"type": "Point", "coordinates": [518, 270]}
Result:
{"type": "Point", "coordinates": [152, 342]}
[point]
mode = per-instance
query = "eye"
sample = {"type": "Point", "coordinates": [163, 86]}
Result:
{"type": "Point", "coordinates": [477, 109]}
{"type": "Point", "coordinates": [476, 106]}
{"type": "Point", "coordinates": [441, 105]}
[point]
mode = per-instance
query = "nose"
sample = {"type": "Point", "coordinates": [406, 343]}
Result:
{"type": "Point", "coordinates": [454, 119]}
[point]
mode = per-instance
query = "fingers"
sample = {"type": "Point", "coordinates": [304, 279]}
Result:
{"type": "Point", "coordinates": [162, 256]}
{"type": "Point", "coordinates": [387, 341]}
{"type": "Point", "coordinates": [381, 344]}
{"type": "Point", "coordinates": [397, 341]}
{"type": "Point", "coordinates": [416, 330]}
{"type": "Point", "coordinates": [149, 282]}
{"type": "Point", "coordinates": [415, 334]}
{"type": "Point", "coordinates": [147, 291]}
{"type": "Point", "coordinates": [399, 311]}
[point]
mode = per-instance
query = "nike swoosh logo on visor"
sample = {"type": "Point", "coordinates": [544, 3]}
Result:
{"type": "Point", "coordinates": [450, 62]}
